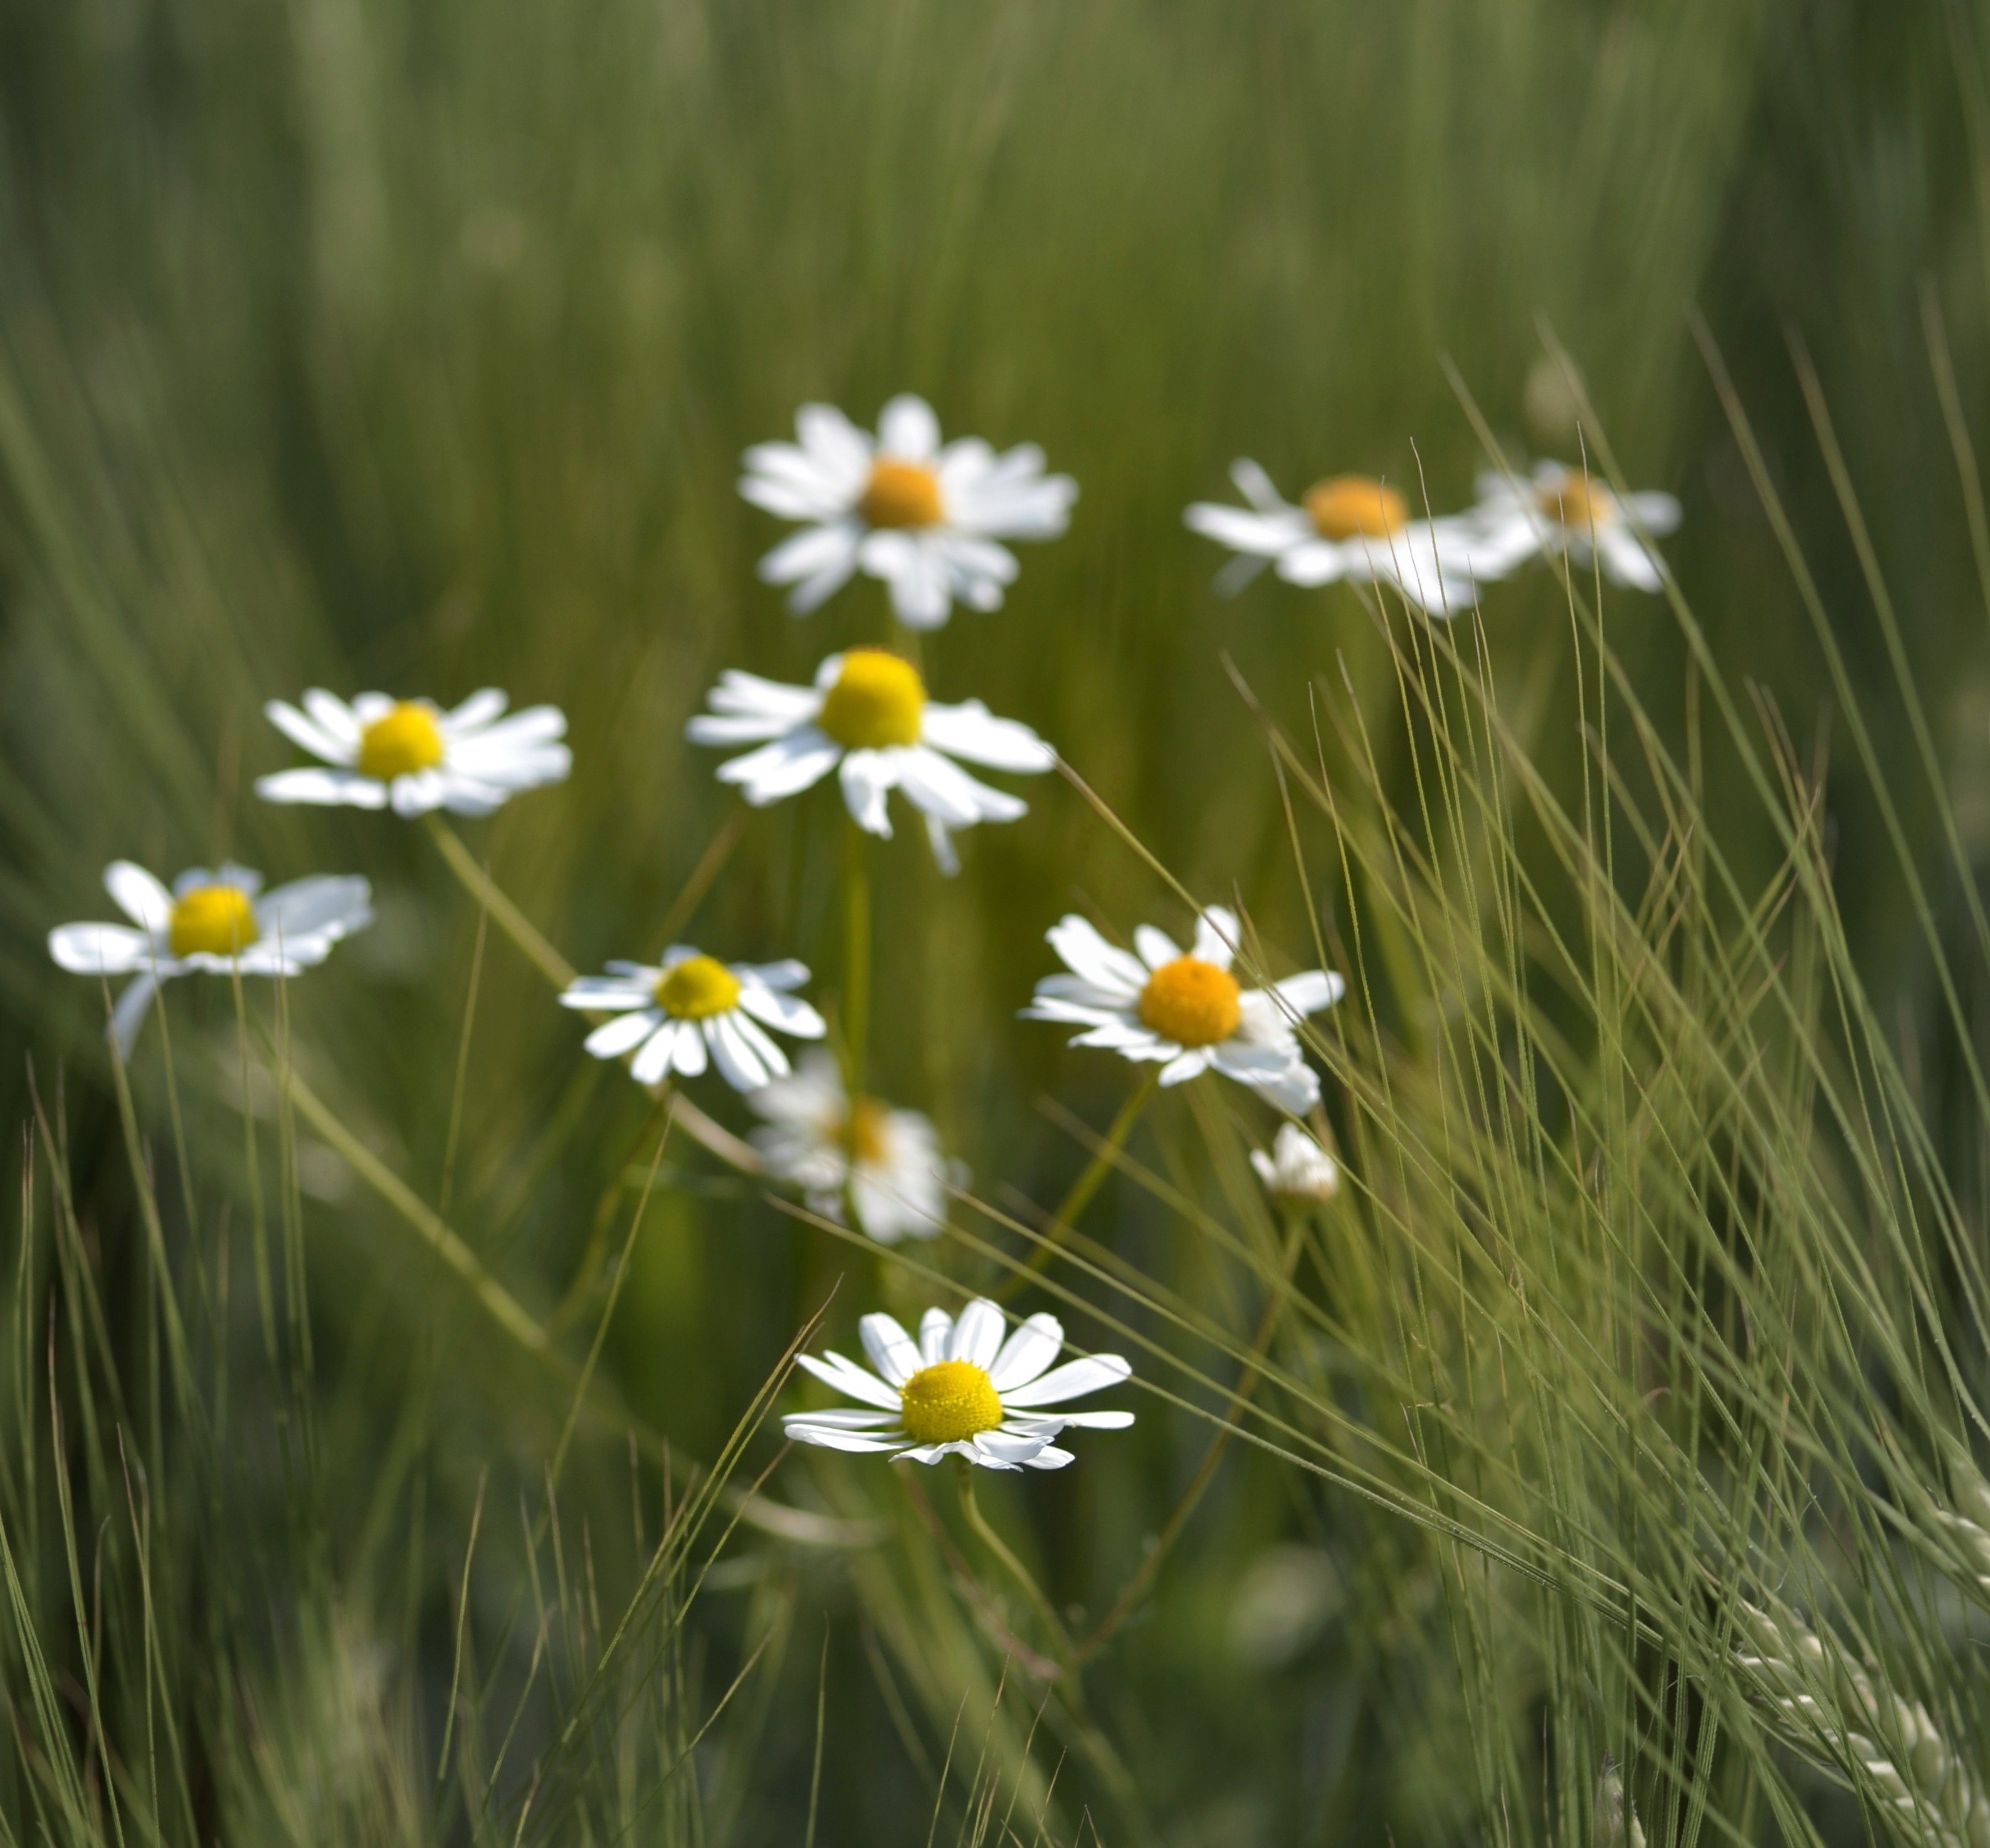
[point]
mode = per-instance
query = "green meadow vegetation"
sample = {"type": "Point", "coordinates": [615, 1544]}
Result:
{"type": "Point", "coordinates": [391, 1393]}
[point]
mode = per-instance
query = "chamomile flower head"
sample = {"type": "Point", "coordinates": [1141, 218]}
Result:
{"type": "Point", "coordinates": [888, 1160]}
{"type": "Point", "coordinates": [960, 1390]}
{"type": "Point", "coordinates": [693, 1011]}
{"type": "Point", "coordinates": [927, 520]}
{"type": "Point", "coordinates": [212, 922]}
{"type": "Point", "coordinates": [410, 756]}
{"type": "Point", "coordinates": [1560, 510]}
{"type": "Point", "coordinates": [1297, 1170]}
{"type": "Point", "coordinates": [868, 718]}
{"type": "Point", "coordinates": [1346, 527]}
{"type": "Point", "coordinates": [1186, 1009]}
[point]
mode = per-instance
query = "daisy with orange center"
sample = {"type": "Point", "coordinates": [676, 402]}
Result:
{"type": "Point", "coordinates": [888, 1162]}
{"type": "Point", "coordinates": [1186, 1010]}
{"type": "Point", "coordinates": [1557, 510]}
{"type": "Point", "coordinates": [216, 923]}
{"type": "Point", "coordinates": [925, 520]}
{"type": "Point", "coordinates": [960, 1390]}
{"type": "Point", "coordinates": [1347, 527]}
{"type": "Point", "coordinates": [410, 756]}
{"type": "Point", "coordinates": [693, 1011]}
{"type": "Point", "coordinates": [868, 718]}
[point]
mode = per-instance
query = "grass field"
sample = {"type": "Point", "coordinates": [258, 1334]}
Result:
{"type": "Point", "coordinates": [391, 1448]}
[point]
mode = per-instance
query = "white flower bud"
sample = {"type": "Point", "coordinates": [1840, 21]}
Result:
{"type": "Point", "coordinates": [1298, 1169]}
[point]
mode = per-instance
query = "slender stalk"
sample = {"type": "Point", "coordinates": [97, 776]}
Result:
{"type": "Point", "coordinates": [856, 959]}
{"type": "Point", "coordinates": [710, 864]}
{"type": "Point", "coordinates": [1083, 1189]}
{"type": "Point", "coordinates": [595, 1253]}
{"type": "Point", "coordinates": [558, 971]}
{"type": "Point", "coordinates": [1039, 1600]}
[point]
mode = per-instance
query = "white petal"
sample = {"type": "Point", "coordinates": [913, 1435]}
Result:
{"type": "Point", "coordinates": [335, 718]}
{"type": "Point", "coordinates": [688, 1053]}
{"type": "Point", "coordinates": [1051, 1457]}
{"type": "Point", "coordinates": [867, 777]}
{"type": "Point", "coordinates": [1315, 562]}
{"type": "Point", "coordinates": [100, 949]}
{"type": "Point", "coordinates": [324, 788]}
{"type": "Point", "coordinates": [977, 1335]}
{"type": "Point", "coordinates": [138, 895]}
{"type": "Point", "coordinates": [945, 857]}
{"type": "Point", "coordinates": [970, 731]}
{"type": "Point", "coordinates": [1087, 954]}
{"type": "Point", "coordinates": [938, 787]}
{"type": "Point", "coordinates": [312, 737]}
{"type": "Point", "coordinates": [1185, 1065]}
{"type": "Point", "coordinates": [614, 1038]}
{"type": "Point", "coordinates": [479, 710]}
{"type": "Point", "coordinates": [743, 1063]}
{"type": "Point", "coordinates": [916, 574]}
{"type": "Point", "coordinates": [936, 1326]}
{"type": "Point", "coordinates": [748, 693]}
{"type": "Point", "coordinates": [846, 1376]}
{"type": "Point", "coordinates": [129, 1015]}
{"type": "Point", "coordinates": [841, 1418]}
{"type": "Point", "coordinates": [1157, 948]}
{"type": "Point", "coordinates": [1074, 1379]}
{"type": "Point", "coordinates": [1626, 560]}
{"type": "Point", "coordinates": [1657, 513]}
{"type": "Point", "coordinates": [837, 447]}
{"type": "Point", "coordinates": [784, 768]}
{"type": "Point", "coordinates": [1256, 487]}
{"type": "Point", "coordinates": [798, 1427]}
{"type": "Point", "coordinates": [787, 973]}
{"type": "Point", "coordinates": [1027, 1353]}
{"type": "Point", "coordinates": [330, 905]}
{"type": "Point", "coordinates": [611, 994]}
{"type": "Point", "coordinates": [658, 1054]}
{"type": "Point", "coordinates": [786, 1013]}
{"type": "Point", "coordinates": [1009, 1448]}
{"type": "Point", "coordinates": [908, 430]}
{"type": "Point", "coordinates": [1217, 934]}
{"type": "Point", "coordinates": [892, 1352]}
{"type": "Point", "coordinates": [1309, 993]}
{"type": "Point", "coordinates": [1258, 535]}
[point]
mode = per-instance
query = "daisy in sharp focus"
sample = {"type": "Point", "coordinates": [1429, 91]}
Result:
{"type": "Point", "coordinates": [693, 1011]}
{"type": "Point", "coordinates": [1560, 510]}
{"type": "Point", "coordinates": [960, 1390]}
{"type": "Point", "coordinates": [1346, 527]}
{"type": "Point", "coordinates": [1186, 1009]}
{"type": "Point", "coordinates": [868, 718]}
{"type": "Point", "coordinates": [211, 921]}
{"type": "Point", "coordinates": [888, 1161]}
{"type": "Point", "coordinates": [927, 520]}
{"type": "Point", "coordinates": [410, 756]}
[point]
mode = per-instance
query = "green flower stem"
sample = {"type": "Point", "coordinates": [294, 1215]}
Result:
{"type": "Point", "coordinates": [1084, 1187]}
{"type": "Point", "coordinates": [1138, 1586]}
{"type": "Point", "coordinates": [595, 1254]}
{"type": "Point", "coordinates": [558, 971]}
{"type": "Point", "coordinates": [856, 959]}
{"type": "Point", "coordinates": [1039, 1601]}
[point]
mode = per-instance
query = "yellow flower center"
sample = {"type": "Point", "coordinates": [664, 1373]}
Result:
{"type": "Point", "coordinates": [1347, 506]}
{"type": "Point", "coordinates": [900, 494]}
{"type": "Point", "coordinates": [216, 918]}
{"type": "Point", "coordinates": [1191, 1002]}
{"type": "Point", "coordinates": [878, 701]}
{"type": "Point", "coordinates": [698, 988]}
{"type": "Point", "coordinates": [863, 1134]}
{"type": "Point", "coordinates": [400, 743]}
{"type": "Point", "coordinates": [1579, 504]}
{"type": "Point", "coordinates": [947, 1401]}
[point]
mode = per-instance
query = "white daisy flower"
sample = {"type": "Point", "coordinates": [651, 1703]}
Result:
{"type": "Point", "coordinates": [961, 1390]}
{"type": "Point", "coordinates": [888, 1161]}
{"type": "Point", "coordinates": [868, 718]}
{"type": "Point", "coordinates": [1347, 527]}
{"type": "Point", "coordinates": [214, 922]}
{"type": "Point", "coordinates": [695, 1010]}
{"type": "Point", "coordinates": [1298, 1170]}
{"type": "Point", "coordinates": [1186, 1009]}
{"type": "Point", "coordinates": [925, 520]}
{"type": "Point", "coordinates": [1558, 510]}
{"type": "Point", "coordinates": [410, 756]}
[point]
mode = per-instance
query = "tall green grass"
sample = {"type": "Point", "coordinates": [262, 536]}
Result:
{"type": "Point", "coordinates": [1606, 1463]}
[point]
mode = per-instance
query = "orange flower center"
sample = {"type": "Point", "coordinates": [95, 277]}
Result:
{"type": "Point", "coordinates": [400, 743]}
{"type": "Point", "coordinates": [947, 1401]}
{"type": "Point", "coordinates": [900, 494]}
{"type": "Point", "coordinates": [1191, 1002]}
{"type": "Point", "coordinates": [698, 988]}
{"type": "Point", "coordinates": [1347, 506]}
{"type": "Point", "coordinates": [863, 1133]}
{"type": "Point", "coordinates": [218, 919]}
{"type": "Point", "coordinates": [877, 701]}
{"type": "Point", "coordinates": [1579, 504]}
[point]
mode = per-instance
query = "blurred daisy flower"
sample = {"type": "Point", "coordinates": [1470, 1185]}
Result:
{"type": "Point", "coordinates": [961, 1390]}
{"type": "Point", "coordinates": [695, 1010]}
{"type": "Point", "coordinates": [1297, 1170]}
{"type": "Point", "coordinates": [410, 756]}
{"type": "Point", "coordinates": [1560, 510]}
{"type": "Point", "coordinates": [888, 1161]}
{"type": "Point", "coordinates": [868, 718]}
{"type": "Point", "coordinates": [214, 922]}
{"type": "Point", "coordinates": [1186, 1009]}
{"type": "Point", "coordinates": [925, 520]}
{"type": "Point", "coordinates": [1346, 527]}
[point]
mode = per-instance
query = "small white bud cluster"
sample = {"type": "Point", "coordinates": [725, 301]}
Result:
{"type": "Point", "coordinates": [1833, 1704]}
{"type": "Point", "coordinates": [1297, 1170]}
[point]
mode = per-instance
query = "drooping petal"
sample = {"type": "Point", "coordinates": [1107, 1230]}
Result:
{"type": "Point", "coordinates": [867, 777]}
{"type": "Point", "coordinates": [659, 1054]}
{"type": "Point", "coordinates": [129, 1015]}
{"type": "Point", "coordinates": [741, 1062]}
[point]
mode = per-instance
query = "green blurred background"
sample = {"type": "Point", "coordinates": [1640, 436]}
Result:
{"type": "Point", "coordinates": [414, 343]}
